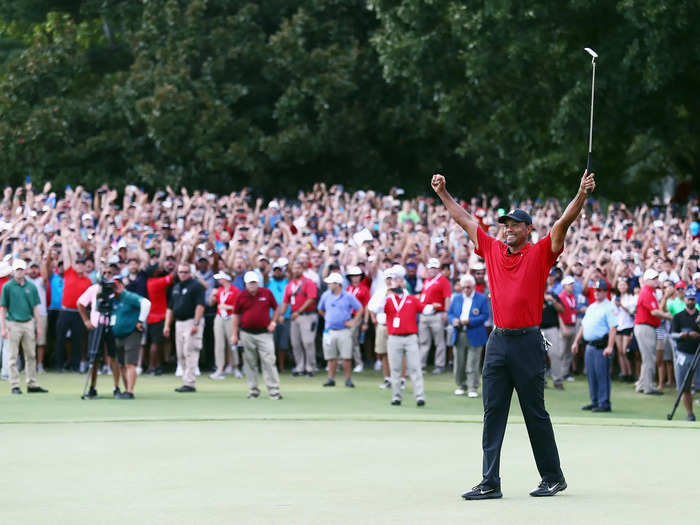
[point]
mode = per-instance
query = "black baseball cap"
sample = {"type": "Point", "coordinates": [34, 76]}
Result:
{"type": "Point", "coordinates": [600, 285]}
{"type": "Point", "coordinates": [517, 215]}
{"type": "Point", "coordinates": [690, 293]}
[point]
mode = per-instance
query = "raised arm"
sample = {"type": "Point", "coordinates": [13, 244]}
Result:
{"type": "Point", "coordinates": [571, 212]}
{"type": "Point", "coordinates": [461, 216]}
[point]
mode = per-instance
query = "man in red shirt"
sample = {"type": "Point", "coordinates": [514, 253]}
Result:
{"type": "Point", "coordinates": [360, 291]}
{"type": "Point", "coordinates": [435, 301]}
{"type": "Point", "coordinates": [567, 323]}
{"type": "Point", "coordinates": [157, 288]}
{"type": "Point", "coordinates": [253, 327]}
{"type": "Point", "coordinates": [646, 319]}
{"type": "Point", "coordinates": [224, 298]}
{"type": "Point", "coordinates": [515, 352]}
{"type": "Point", "coordinates": [301, 293]}
{"type": "Point", "coordinates": [401, 310]}
{"type": "Point", "coordinates": [69, 320]}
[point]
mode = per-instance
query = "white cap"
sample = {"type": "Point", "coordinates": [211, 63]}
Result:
{"type": "Point", "coordinates": [222, 275]}
{"type": "Point", "coordinates": [263, 257]}
{"type": "Point", "coordinates": [433, 263]}
{"type": "Point", "coordinates": [477, 267]}
{"type": "Point", "coordinates": [113, 259]}
{"type": "Point", "coordinates": [273, 204]}
{"type": "Point", "coordinates": [354, 270]}
{"type": "Point", "coordinates": [658, 223]}
{"type": "Point", "coordinates": [696, 275]}
{"type": "Point", "coordinates": [334, 277]}
{"type": "Point", "coordinates": [251, 277]}
{"type": "Point", "coordinates": [398, 271]}
{"type": "Point", "coordinates": [19, 264]}
{"type": "Point", "coordinates": [5, 269]}
{"type": "Point", "coordinates": [86, 217]}
{"type": "Point", "coordinates": [282, 262]}
{"type": "Point", "coordinates": [567, 280]}
{"type": "Point", "coordinates": [650, 274]}
{"type": "Point", "coordinates": [121, 244]}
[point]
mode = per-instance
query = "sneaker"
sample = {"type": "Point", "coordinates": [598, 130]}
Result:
{"type": "Point", "coordinates": [654, 393]}
{"type": "Point", "coordinates": [92, 393]}
{"type": "Point", "coordinates": [16, 390]}
{"type": "Point", "coordinates": [109, 370]}
{"type": "Point", "coordinates": [217, 375]}
{"type": "Point", "coordinates": [482, 491]}
{"type": "Point", "coordinates": [126, 395]}
{"type": "Point", "coordinates": [377, 365]}
{"type": "Point", "coordinates": [396, 402]}
{"type": "Point", "coordinates": [36, 390]}
{"type": "Point", "coordinates": [237, 373]}
{"type": "Point", "coordinates": [253, 394]}
{"type": "Point", "coordinates": [159, 371]}
{"type": "Point", "coordinates": [420, 403]}
{"type": "Point", "coordinates": [139, 371]}
{"type": "Point", "coordinates": [386, 384]}
{"type": "Point", "coordinates": [197, 372]}
{"type": "Point", "coordinates": [570, 378]}
{"type": "Point", "coordinates": [116, 392]}
{"type": "Point", "coordinates": [40, 369]}
{"type": "Point", "coordinates": [459, 392]}
{"type": "Point", "coordinates": [548, 488]}
{"type": "Point", "coordinates": [150, 372]}
{"type": "Point", "coordinates": [83, 367]}
{"type": "Point", "coordinates": [228, 370]}
{"type": "Point", "coordinates": [558, 386]}
{"type": "Point", "coordinates": [329, 382]}
{"type": "Point", "coordinates": [690, 417]}
{"type": "Point", "coordinates": [473, 394]}
{"type": "Point", "coordinates": [403, 383]}
{"type": "Point", "coordinates": [276, 397]}
{"type": "Point", "coordinates": [186, 389]}
{"type": "Point", "coordinates": [590, 406]}
{"type": "Point", "coordinates": [601, 409]}
{"type": "Point", "coordinates": [359, 368]}
{"type": "Point", "coordinates": [349, 383]}
{"type": "Point", "coordinates": [438, 370]}
{"type": "Point", "coordinates": [178, 371]}
{"type": "Point", "coordinates": [296, 373]}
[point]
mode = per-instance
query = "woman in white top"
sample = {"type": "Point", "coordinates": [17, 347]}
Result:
{"type": "Point", "coordinates": [626, 304]}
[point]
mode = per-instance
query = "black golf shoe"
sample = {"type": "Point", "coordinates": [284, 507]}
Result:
{"type": "Point", "coordinates": [483, 492]}
{"type": "Point", "coordinates": [548, 488]}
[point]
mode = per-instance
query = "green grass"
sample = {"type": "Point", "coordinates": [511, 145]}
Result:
{"type": "Point", "coordinates": [328, 456]}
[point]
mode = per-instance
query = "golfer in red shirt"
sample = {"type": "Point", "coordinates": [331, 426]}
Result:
{"type": "Point", "coordinates": [515, 352]}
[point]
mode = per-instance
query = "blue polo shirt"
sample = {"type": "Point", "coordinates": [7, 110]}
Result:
{"type": "Point", "coordinates": [56, 284]}
{"type": "Point", "coordinates": [599, 318]}
{"type": "Point", "coordinates": [338, 308]}
{"type": "Point", "coordinates": [277, 289]}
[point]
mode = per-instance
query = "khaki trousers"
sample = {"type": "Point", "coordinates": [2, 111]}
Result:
{"type": "Point", "coordinates": [23, 334]}
{"type": "Point", "coordinates": [303, 339]}
{"type": "Point", "coordinates": [398, 347]}
{"type": "Point", "coordinates": [567, 341]}
{"type": "Point", "coordinates": [467, 363]}
{"type": "Point", "coordinates": [260, 346]}
{"type": "Point", "coordinates": [556, 353]}
{"type": "Point", "coordinates": [431, 328]}
{"type": "Point", "coordinates": [223, 330]}
{"type": "Point", "coordinates": [646, 340]}
{"type": "Point", "coordinates": [188, 346]}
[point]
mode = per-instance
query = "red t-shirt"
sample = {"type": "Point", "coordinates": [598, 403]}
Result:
{"type": "Point", "coordinates": [5, 279]}
{"type": "Point", "coordinates": [407, 314]}
{"type": "Point", "coordinates": [590, 291]}
{"type": "Point", "coordinates": [361, 293]}
{"type": "Point", "coordinates": [157, 288]}
{"type": "Point", "coordinates": [645, 304]}
{"type": "Point", "coordinates": [568, 316]}
{"type": "Point", "coordinates": [517, 281]}
{"type": "Point", "coordinates": [298, 291]}
{"type": "Point", "coordinates": [436, 290]}
{"type": "Point", "coordinates": [254, 309]}
{"type": "Point", "coordinates": [226, 296]}
{"type": "Point", "coordinates": [73, 287]}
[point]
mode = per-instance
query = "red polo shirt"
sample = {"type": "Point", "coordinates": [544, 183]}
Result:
{"type": "Point", "coordinates": [568, 316]}
{"type": "Point", "coordinates": [517, 281]}
{"type": "Point", "coordinates": [361, 293]}
{"type": "Point", "coordinates": [407, 314]}
{"type": "Point", "coordinates": [645, 304]}
{"type": "Point", "coordinates": [73, 287]}
{"type": "Point", "coordinates": [254, 309]}
{"type": "Point", "coordinates": [298, 291]}
{"type": "Point", "coordinates": [226, 296]}
{"type": "Point", "coordinates": [157, 293]}
{"type": "Point", "coordinates": [436, 290]}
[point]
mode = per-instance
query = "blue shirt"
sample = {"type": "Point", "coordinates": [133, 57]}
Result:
{"type": "Point", "coordinates": [338, 308]}
{"type": "Point", "coordinates": [56, 284]}
{"type": "Point", "coordinates": [599, 318]}
{"type": "Point", "coordinates": [277, 289]}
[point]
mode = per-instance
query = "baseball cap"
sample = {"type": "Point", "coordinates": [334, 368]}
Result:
{"type": "Point", "coordinates": [263, 258]}
{"type": "Point", "coordinates": [517, 215]}
{"type": "Point", "coordinates": [433, 263]}
{"type": "Point", "coordinates": [600, 285]}
{"type": "Point", "coordinates": [86, 217]}
{"type": "Point", "coordinates": [477, 267]}
{"type": "Point", "coordinates": [567, 280]}
{"type": "Point", "coordinates": [691, 293]}
{"type": "Point", "coordinates": [650, 274]}
{"type": "Point", "coordinates": [33, 263]}
{"type": "Point", "coordinates": [273, 204]}
{"type": "Point", "coordinates": [397, 271]}
{"type": "Point", "coordinates": [80, 259]}
{"type": "Point", "coordinates": [251, 277]}
{"type": "Point", "coordinates": [222, 275]}
{"type": "Point", "coordinates": [19, 264]}
{"type": "Point", "coordinates": [696, 276]}
{"type": "Point", "coordinates": [680, 285]}
{"type": "Point", "coordinates": [354, 270]}
{"type": "Point", "coordinates": [334, 278]}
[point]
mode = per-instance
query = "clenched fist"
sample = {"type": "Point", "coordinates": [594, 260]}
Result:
{"type": "Point", "coordinates": [438, 183]}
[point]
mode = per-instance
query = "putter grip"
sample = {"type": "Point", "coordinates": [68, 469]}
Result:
{"type": "Point", "coordinates": [588, 164]}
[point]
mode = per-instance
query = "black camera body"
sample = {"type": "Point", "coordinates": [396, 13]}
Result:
{"type": "Point", "coordinates": [105, 299]}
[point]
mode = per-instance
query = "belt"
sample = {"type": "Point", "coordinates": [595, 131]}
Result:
{"type": "Point", "coordinates": [306, 313]}
{"type": "Point", "coordinates": [648, 324]}
{"type": "Point", "coordinates": [255, 331]}
{"type": "Point", "coordinates": [28, 320]}
{"type": "Point", "coordinates": [401, 335]}
{"type": "Point", "coordinates": [515, 331]}
{"type": "Point", "coordinates": [65, 309]}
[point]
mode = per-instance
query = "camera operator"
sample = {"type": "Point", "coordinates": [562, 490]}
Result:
{"type": "Point", "coordinates": [129, 319]}
{"type": "Point", "coordinates": [95, 298]}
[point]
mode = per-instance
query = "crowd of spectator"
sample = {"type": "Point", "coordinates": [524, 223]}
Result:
{"type": "Point", "coordinates": [69, 240]}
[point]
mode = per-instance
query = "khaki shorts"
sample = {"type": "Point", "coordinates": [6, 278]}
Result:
{"type": "Point", "coordinates": [337, 344]}
{"type": "Point", "coordinates": [380, 338]}
{"type": "Point", "coordinates": [128, 348]}
{"type": "Point", "coordinates": [43, 324]}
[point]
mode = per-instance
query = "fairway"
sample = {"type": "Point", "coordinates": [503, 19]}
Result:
{"type": "Point", "coordinates": [328, 456]}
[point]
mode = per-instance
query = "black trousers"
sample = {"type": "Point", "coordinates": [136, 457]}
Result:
{"type": "Point", "coordinates": [517, 361]}
{"type": "Point", "coordinates": [68, 320]}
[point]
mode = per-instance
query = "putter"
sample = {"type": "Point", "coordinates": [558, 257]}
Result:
{"type": "Point", "coordinates": [590, 133]}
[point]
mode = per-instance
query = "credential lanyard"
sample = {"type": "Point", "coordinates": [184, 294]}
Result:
{"type": "Point", "coordinates": [400, 304]}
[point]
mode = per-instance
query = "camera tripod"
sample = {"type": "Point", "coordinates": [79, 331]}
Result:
{"type": "Point", "coordinates": [96, 344]}
{"type": "Point", "coordinates": [686, 381]}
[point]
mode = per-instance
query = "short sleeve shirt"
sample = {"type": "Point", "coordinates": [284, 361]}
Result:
{"type": "Point", "coordinates": [298, 291]}
{"type": "Point", "coordinates": [226, 296]}
{"type": "Point", "coordinates": [338, 309]}
{"type": "Point", "coordinates": [185, 298]}
{"type": "Point", "coordinates": [19, 300]}
{"type": "Point", "coordinates": [517, 281]}
{"type": "Point", "coordinates": [646, 303]}
{"type": "Point", "coordinates": [599, 319]}
{"type": "Point", "coordinates": [436, 290]}
{"type": "Point", "coordinates": [73, 286]}
{"type": "Point", "coordinates": [254, 310]}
